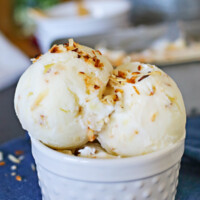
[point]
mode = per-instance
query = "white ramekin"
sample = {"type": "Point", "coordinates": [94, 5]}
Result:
{"type": "Point", "coordinates": [63, 177]}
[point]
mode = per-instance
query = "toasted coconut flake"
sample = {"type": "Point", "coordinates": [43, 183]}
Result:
{"type": "Point", "coordinates": [143, 77]}
{"type": "Point", "coordinates": [153, 118]}
{"type": "Point", "coordinates": [90, 134]}
{"type": "Point", "coordinates": [131, 80]}
{"type": "Point", "coordinates": [117, 79]}
{"type": "Point", "coordinates": [96, 61]}
{"type": "Point", "coordinates": [135, 73]}
{"type": "Point", "coordinates": [119, 90]}
{"type": "Point", "coordinates": [32, 166]}
{"type": "Point", "coordinates": [153, 91]}
{"type": "Point", "coordinates": [116, 98]}
{"type": "Point", "coordinates": [99, 52]}
{"type": "Point", "coordinates": [71, 42]}
{"type": "Point", "coordinates": [100, 65]}
{"type": "Point", "coordinates": [18, 178]}
{"type": "Point", "coordinates": [55, 49]}
{"type": "Point", "coordinates": [96, 87]}
{"type": "Point", "coordinates": [136, 90]}
{"type": "Point", "coordinates": [2, 163]}
{"type": "Point", "coordinates": [121, 74]}
{"type": "Point", "coordinates": [70, 48]}
{"type": "Point", "coordinates": [80, 53]}
{"type": "Point", "coordinates": [13, 159]}
{"type": "Point", "coordinates": [13, 174]}
{"type": "Point", "coordinates": [66, 45]}
{"type": "Point", "coordinates": [37, 57]}
{"type": "Point", "coordinates": [92, 83]}
{"type": "Point", "coordinates": [86, 57]}
{"type": "Point", "coordinates": [90, 59]}
{"type": "Point", "coordinates": [75, 50]}
{"type": "Point", "coordinates": [139, 67]}
{"type": "Point", "coordinates": [19, 152]}
{"type": "Point", "coordinates": [75, 44]}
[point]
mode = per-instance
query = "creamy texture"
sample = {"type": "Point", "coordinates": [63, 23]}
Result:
{"type": "Point", "coordinates": [72, 95]}
{"type": "Point", "coordinates": [149, 114]}
{"type": "Point", "coordinates": [59, 97]}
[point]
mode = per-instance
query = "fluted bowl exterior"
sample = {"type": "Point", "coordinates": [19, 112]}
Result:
{"type": "Point", "coordinates": [153, 176]}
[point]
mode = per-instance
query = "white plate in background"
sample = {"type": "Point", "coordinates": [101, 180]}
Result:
{"type": "Point", "coordinates": [62, 20]}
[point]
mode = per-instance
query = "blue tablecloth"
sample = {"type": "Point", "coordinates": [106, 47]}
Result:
{"type": "Point", "coordinates": [28, 189]}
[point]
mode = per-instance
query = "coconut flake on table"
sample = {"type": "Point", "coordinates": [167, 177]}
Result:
{"type": "Point", "coordinates": [13, 167]}
{"type": "Point", "coordinates": [32, 166]}
{"type": "Point", "coordinates": [13, 174]}
{"type": "Point", "coordinates": [13, 159]}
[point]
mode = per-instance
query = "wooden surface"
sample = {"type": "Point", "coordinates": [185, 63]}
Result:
{"type": "Point", "coordinates": [12, 32]}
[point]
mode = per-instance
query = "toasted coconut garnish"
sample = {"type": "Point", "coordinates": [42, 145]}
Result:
{"type": "Point", "coordinates": [136, 90]}
{"type": "Point", "coordinates": [152, 91]}
{"type": "Point", "coordinates": [121, 74]}
{"type": "Point", "coordinates": [119, 90]}
{"type": "Point", "coordinates": [91, 135]}
{"type": "Point", "coordinates": [110, 99]}
{"type": "Point", "coordinates": [153, 117]}
{"type": "Point", "coordinates": [143, 77]}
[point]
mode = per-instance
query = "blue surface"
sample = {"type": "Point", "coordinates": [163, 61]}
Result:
{"type": "Point", "coordinates": [28, 189]}
{"type": "Point", "coordinates": [189, 179]}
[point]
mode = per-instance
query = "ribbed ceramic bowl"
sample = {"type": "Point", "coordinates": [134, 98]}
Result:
{"type": "Point", "coordinates": [63, 177]}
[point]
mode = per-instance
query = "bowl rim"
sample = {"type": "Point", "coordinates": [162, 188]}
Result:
{"type": "Point", "coordinates": [106, 170]}
{"type": "Point", "coordinates": [138, 160]}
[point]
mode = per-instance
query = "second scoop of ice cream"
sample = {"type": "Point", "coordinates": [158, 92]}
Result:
{"type": "Point", "coordinates": [149, 114]}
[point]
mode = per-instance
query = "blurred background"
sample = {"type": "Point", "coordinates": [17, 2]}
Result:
{"type": "Point", "coordinates": [165, 33]}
